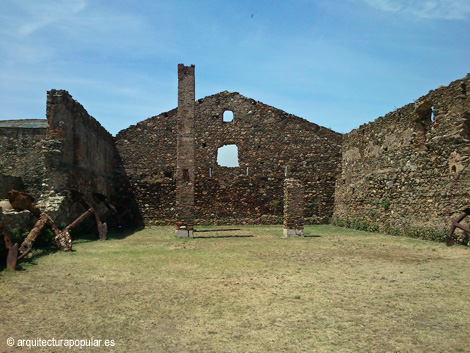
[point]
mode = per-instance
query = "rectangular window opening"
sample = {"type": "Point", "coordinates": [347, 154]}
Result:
{"type": "Point", "coordinates": [227, 156]}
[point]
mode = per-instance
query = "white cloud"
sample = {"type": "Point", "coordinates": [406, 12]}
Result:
{"type": "Point", "coordinates": [45, 13]}
{"type": "Point", "coordinates": [428, 9]}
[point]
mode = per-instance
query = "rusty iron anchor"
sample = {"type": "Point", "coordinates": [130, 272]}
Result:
{"type": "Point", "coordinates": [22, 201]}
{"type": "Point", "coordinates": [456, 224]}
{"type": "Point", "coordinates": [112, 211]}
{"type": "Point", "coordinates": [12, 249]}
{"type": "Point", "coordinates": [77, 196]}
{"type": "Point", "coordinates": [100, 198]}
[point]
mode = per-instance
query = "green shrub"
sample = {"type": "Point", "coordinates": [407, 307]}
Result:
{"type": "Point", "coordinates": [44, 238]}
{"type": "Point", "coordinates": [385, 204]}
{"type": "Point", "coordinates": [325, 220]}
{"type": "Point", "coordinates": [313, 220]}
{"type": "Point", "coordinates": [338, 222]}
{"type": "Point", "coordinates": [405, 230]}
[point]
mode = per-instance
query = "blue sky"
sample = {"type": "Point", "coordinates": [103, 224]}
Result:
{"type": "Point", "coordinates": [336, 63]}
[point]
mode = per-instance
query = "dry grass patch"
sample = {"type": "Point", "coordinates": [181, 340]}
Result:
{"type": "Point", "coordinates": [246, 290]}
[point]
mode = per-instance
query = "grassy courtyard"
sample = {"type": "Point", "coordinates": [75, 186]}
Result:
{"type": "Point", "coordinates": [244, 289]}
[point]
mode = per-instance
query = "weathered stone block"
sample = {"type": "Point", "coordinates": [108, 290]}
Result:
{"type": "Point", "coordinates": [293, 208]}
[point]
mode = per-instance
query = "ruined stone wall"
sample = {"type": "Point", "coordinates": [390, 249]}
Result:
{"type": "Point", "coordinates": [78, 151]}
{"type": "Point", "coordinates": [8, 183]}
{"type": "Point", "coordinates": [268, 141]}
{"type": "Point", "coordinates": [410, 168]}
{"type": "Point", "coordinates": [21, 155]}
{"type": "Point", "coordinates": [145, 165]}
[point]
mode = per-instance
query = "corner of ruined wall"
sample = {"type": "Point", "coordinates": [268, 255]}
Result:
{"type": "Point", "coordinates": [78, 151]}
{"type": "Point", "coordinates": [410, 168]}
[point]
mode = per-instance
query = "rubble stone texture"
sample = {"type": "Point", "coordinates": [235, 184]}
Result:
{"type": "Point", "coordinates": [293, 208]}
{"type": "Point", "coordinates": [78, 151]}
{"type": "Point", "coordinates": [21, 160]}
{"type": "Point", "coordinates": [268, 141]}
{"type": "Point", "coordinates": [69, 149]}
{"type": "Point", "coordinates": [185, 152]}
{"type": "Point", "coordinates": [410, 168]}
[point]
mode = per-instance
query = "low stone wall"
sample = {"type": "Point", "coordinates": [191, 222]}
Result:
{"type": "Point", "coordinates": [14, 219]}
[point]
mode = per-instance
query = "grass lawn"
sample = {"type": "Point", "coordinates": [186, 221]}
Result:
{"type": "Point", "coordinates": [244, 290]}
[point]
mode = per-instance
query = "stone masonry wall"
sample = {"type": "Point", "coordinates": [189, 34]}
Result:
{"type": "Point", "coordinates": [145, 165]}
{"type": "Point", "coordinates": [410, 168]}
{"type": "Point", "coordinates": [269, 141]}
{"type": "Point", "coordinates": [78, 151]}
{"type": "Point", "coordinates": [21, 155]}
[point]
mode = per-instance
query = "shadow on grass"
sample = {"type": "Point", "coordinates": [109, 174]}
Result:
{"type": "Point", "coordinates": [223, 236]}
{"type": "Point", "coordinates": [30, 260]}
{"type": "Point", "coordinates": [77, 238]}
{"type": "Point", "coordinates": [215, 230]}
{"type": "Point", "coordinates": [312, 236]}
{"type": "Point", "coordinates": [114, 234]}
{"type": "Point", "coordinates": [122, 233]}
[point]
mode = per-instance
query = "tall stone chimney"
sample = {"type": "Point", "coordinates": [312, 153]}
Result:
{"type": "Point", "coordinates": [185, 152]}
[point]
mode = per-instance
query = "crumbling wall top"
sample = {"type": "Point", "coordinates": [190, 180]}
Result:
{"type": "Point", "coordinates": [24, 123]}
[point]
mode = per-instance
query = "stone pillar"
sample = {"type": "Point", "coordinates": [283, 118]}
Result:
{"type": "Point", "coordinates": [293, 208]}
{"type": "Point", "coordinates": [185, 152]}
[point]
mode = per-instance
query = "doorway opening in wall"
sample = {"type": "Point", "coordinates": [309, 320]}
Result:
{"type": "Point", "coordinates": [227, 156]}
{"type": "Point", "coordinates": [228, 116]}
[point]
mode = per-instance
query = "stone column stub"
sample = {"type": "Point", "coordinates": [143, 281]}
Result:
{"type": "Point", "coordinates": [293, 208]}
